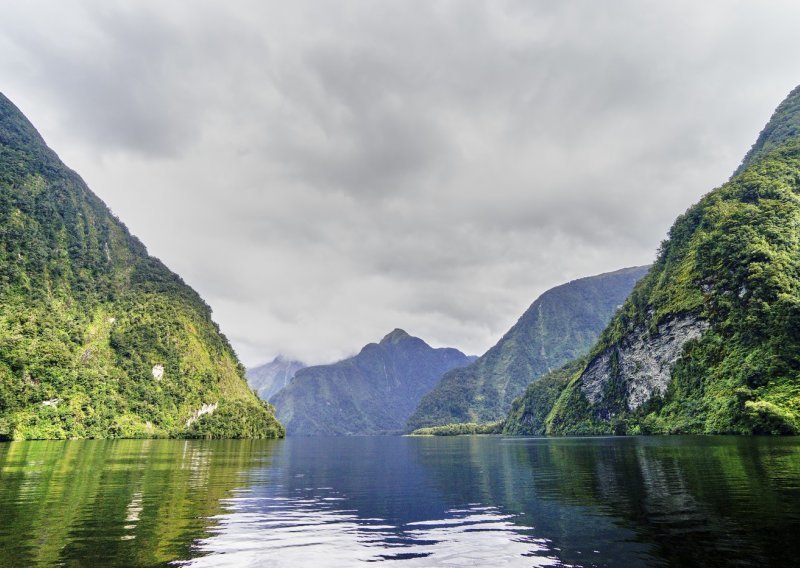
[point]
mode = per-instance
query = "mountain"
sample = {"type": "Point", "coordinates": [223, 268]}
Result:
{"type": "Point", "coordinates": [559, 326]}
{"type": "Point", "coordinates": [709, 340]}
{"type": "Point", "coordinates": [269, 378]}
{"type": "Point", "coordinates": [97, 338]}
{"type": "Point", "coordinates": [528, 414]}
{"type": "Point", "coordinates": [783, 127]}
{"type": "Point", "coordinates": [373, 392]}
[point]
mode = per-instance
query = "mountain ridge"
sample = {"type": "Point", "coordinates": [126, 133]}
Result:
{"type": "Point", "coordinates": [560, 325]}
{"type": "Point", "coordinates": [372, 392]}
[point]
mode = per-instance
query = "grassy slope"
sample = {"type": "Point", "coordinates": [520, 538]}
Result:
{"type": "Point", "coordinates": [86, 314]}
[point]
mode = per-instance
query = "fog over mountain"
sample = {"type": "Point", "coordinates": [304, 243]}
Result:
{"type": "Point", "coordinates": [320, 173]}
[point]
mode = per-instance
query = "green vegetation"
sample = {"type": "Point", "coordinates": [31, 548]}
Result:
{"type": "Point", "coordinates": [529, 412]}
{"type": "Point", "coordinates": [144, 502]}
{"type": "Point", "coordinates": [733, 261]}
{"type": "Point", "coordinates": [371, 393]}
{"type": "Point", "coordinates": [97, 338]}
{"type": "Point", "coordinates": [468, 429]}
{"type": "Point", "coordinates": [783, 126]}
{"type": "Point", "coordinates": [559, 326]}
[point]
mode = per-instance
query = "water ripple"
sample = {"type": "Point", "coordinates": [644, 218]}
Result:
{"type": "Point", "coordinates": [281, 531]}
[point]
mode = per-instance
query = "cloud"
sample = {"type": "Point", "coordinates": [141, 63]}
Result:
{"type": "Point", "coordinates": [323, 173]}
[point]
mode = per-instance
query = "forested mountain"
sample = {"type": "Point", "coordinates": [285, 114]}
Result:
{"type": "Point", "coordinates": [97, 338]}
{"type": "Point", "coordinates": [528, 414]}
{"type": "Point", "coordinates": [269, 378]}
{"type": "Point", "coordinates": [783, 127]}
{"type": "Point", "coordinates": [559, 326]}
{"type": "Point", "coordinates": [373, 392]}
{"type": "Point", "coordinates": [709, 340]}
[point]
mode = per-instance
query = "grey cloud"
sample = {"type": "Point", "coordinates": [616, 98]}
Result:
{"type": "Point", "coordinates": [325, 172]}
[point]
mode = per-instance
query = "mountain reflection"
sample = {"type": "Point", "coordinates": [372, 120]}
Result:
{"type": "Point", "coordinates": [700, 501]}
{"type": "Point", "coordinates": [106, 503]}
{"type": "Point", "coordinates": [472, 501]}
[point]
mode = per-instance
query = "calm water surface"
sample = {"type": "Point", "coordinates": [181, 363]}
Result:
{"type": "Point", "coordinates": [468, 501]}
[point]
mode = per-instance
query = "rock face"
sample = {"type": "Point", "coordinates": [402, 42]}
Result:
{"type": "Point", "coordinates": [371, 393]}
{"type": "Point", "coordinates": [89, 319]}
{"type": "Point", "coordinates": [561, 325]}
{"type": "Point", "coordinates": [709, 340]}
{"type": "Point", "coordinates": [642, 360]}
{"type": "Point", "coordinates": [271, 377]}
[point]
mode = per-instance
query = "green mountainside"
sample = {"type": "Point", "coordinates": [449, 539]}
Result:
{"type": "Point", "coordinates": [783, 126]}
{"type": "Point", "coordinates": [269, 378]}
{"type": "Point", "coordinates": [97, 338]}
{"type": "Point", "coordinates": [709, 340]}
{"type": "Point", "coordinates": [528, 414]}
{"type": "Point", "coordinates": [373, 392]}
{"type": "Point", "coordinates": [559, 326]}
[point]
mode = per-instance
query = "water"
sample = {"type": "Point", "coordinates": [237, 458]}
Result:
{"type": "Point", "coordinates": [469, 501]}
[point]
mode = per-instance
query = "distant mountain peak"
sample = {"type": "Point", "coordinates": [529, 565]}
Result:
{"type": "Point", "coordinates": [395, 336]}
{"type": "Point", "coordinates": [269, 378]}
{"type": "Point", "coordinates": [373, 392]}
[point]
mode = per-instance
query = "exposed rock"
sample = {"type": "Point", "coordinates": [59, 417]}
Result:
{"type": "Point", "coordinates": [205, 409]}
{"type": "Point", "coordinates": [643, 361]}
{"type": "Point", "coordinates": [158, 372]}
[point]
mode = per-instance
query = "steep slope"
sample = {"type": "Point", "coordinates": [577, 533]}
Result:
{"type": "Point", "coordinates": [97, 338]}
{"type": "Point", "coordinates": [709, 340]}
{"type": "Point", "coordinates": [528, 414]}
{"type": "Point", "coordinates": [269, 378]}
{"type": "Point", "coordinates": [371, 393]}
{"type": "Point", "coordinates": [559, 326]}
{"type": "Point", "coordinates": [783, 127]}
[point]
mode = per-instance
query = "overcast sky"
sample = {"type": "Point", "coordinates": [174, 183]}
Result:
{"type": "Point", "coordinates": [323, 172]}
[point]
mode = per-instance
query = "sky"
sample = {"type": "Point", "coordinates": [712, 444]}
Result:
{"type": "Point", "coordinates": [324, 172]}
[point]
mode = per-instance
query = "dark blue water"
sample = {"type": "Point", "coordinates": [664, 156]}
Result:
{"type": "Point", "coordinates": [468, 501]}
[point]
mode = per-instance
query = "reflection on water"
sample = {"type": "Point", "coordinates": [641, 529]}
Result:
{"type": "Point", "coordinates": [472, 501]}
{"type": "Point", "coordinates": [314, 532]}
{"type": "Point", "coordinates": [105, 503]}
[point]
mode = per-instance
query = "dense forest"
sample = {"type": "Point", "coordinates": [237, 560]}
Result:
{"type": "Point", "coordinates": [97, 338]}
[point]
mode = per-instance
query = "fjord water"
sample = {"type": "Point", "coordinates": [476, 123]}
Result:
{"type": "Point", "coordinates": [468, 501]}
